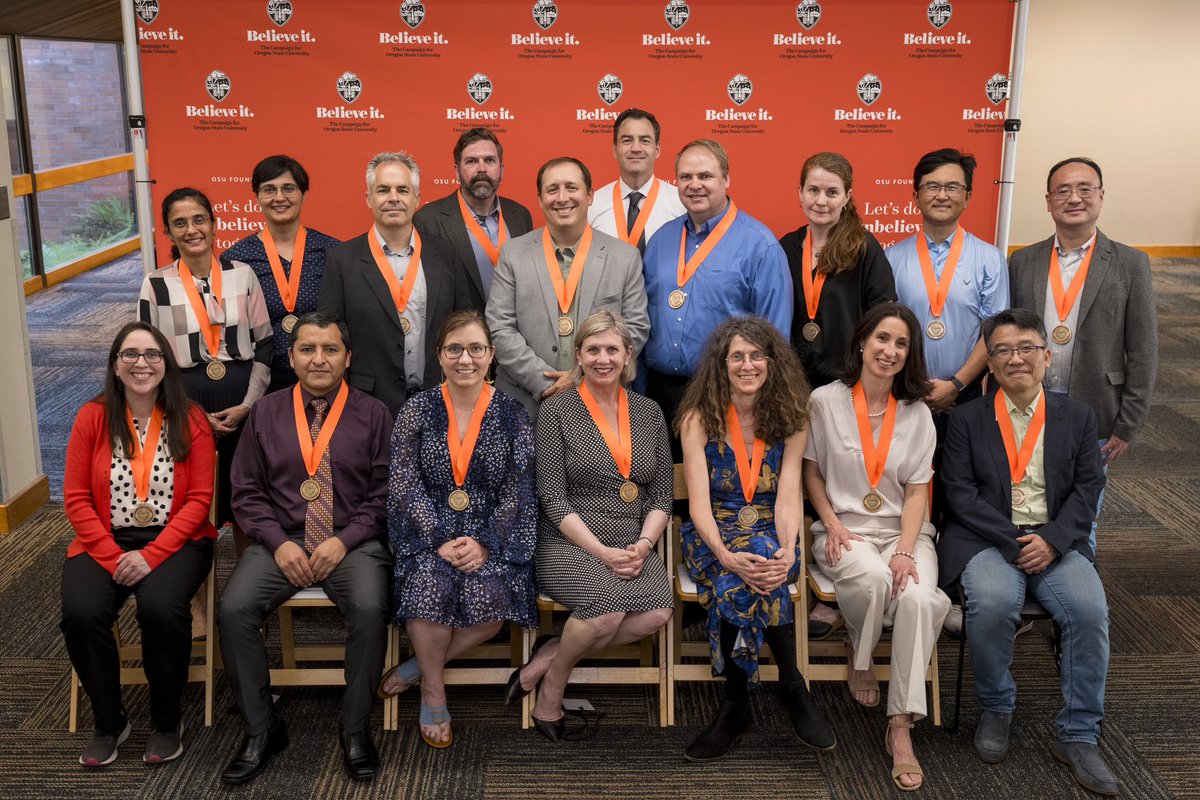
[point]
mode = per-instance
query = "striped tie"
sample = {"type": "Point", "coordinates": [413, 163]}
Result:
{"type": "Point", "coordinates": [318, 519]}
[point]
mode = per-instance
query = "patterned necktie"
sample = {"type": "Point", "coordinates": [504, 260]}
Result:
{"type": "Point", "coordinates": [631, 218]}
{"type": "Point", "coordinates": [318, 519]}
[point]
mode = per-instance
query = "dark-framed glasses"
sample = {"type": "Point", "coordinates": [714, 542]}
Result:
{"type": "Point", "coordinates": [473, 350]}
{"type": "Point", "coordinates": [1024, 351]}
{"type": "Point", "coordinates": [132, 356]}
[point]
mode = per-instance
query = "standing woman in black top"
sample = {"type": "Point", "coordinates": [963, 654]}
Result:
{"type": "Point", "coordinates": [838, 269]}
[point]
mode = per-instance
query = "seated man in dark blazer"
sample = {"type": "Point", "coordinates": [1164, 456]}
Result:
{"type": "Point", "coordinates": [1022, 475]}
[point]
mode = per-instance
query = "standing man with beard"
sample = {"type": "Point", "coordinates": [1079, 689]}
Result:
{"type": "Point", "coordinates": [475, 219]}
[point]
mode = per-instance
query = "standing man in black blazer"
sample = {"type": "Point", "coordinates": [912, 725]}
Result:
{"type": "Point", "coordinates": [394, 288]}
{"type": "Point", "coordinates": [1022, 474]}
{"type": "Point", "coordinates": [475, 218]}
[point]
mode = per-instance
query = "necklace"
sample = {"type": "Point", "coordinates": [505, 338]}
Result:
{"type": "Point", "coordinates": [876, 413]}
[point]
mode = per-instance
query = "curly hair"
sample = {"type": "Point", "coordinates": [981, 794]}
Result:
{"type": "Point", "coordinates": [848, 238]}
{"type": "Point", "coordinates": [782, 405]}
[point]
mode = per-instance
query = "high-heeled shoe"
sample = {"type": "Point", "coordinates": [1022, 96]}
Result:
{"type": "Point", "coordinates": [551, 729]}
{"type": "Point", "coordinates": [514, 691]}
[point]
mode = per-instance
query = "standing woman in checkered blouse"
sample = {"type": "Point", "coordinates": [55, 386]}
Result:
{"type": "Point", "coordinates": [214, 316]}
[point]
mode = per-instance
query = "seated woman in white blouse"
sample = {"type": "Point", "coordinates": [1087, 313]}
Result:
{"type": "Point", "coordinates": [867, 468]}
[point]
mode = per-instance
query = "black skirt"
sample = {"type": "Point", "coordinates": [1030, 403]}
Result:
{"type": "Point", "coordinates": [215, 396]}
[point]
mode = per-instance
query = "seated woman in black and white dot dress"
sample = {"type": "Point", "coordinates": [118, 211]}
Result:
{"type": "Point", "coordinates": [137, 491]}
{"type": "Point", "coordinates": [604, 479]}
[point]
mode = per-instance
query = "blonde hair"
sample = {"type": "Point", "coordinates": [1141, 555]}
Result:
{"type": "Point", "coordinates": [601, 322]}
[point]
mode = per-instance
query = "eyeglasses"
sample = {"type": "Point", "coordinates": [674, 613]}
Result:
{"type": "Point", "coordinates": [1025, 351]}
{"type": "Point", "coordinates": [473, 350]}
{"type": "Point", "coordinates": [1086, 191]}
{"type": "Point", "coordinates": [182, 223]}
{"type": "Point", "coordinates": [270, 190]}
{"type": "Point", "coordinates": [934, 189]}
{"type": "Point", "coordinates": [737, 359]}
{"type": "Point", "coordinates": [132, 356]}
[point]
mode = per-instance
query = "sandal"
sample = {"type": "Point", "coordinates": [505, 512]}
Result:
{"type": "Point", "coordinates": [902, 769]}
{"type": "Point", "coordinates": [409, 674]}
{"type": "Point", "coordinates": [860, 684]}
{"type": "Point", "coordinates": [437, 715]}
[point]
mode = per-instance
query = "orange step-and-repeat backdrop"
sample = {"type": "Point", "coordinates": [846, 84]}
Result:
{"type": "Point", "coordinates": [332, 82]}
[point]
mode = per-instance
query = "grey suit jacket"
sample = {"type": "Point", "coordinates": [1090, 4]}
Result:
{"type": "Point", "coordinates": [1115, 360]}
{"type": "Point", "coordinates": [522, 311]}
{"type": "Point", "coordinates": [444, 218]}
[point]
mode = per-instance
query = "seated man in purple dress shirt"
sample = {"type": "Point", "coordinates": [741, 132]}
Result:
{"type": "Point", "coordinates": [310, 489]}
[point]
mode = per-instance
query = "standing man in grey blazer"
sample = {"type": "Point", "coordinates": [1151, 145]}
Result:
{"type": "Point", "coordinates": [1097, 301]}
{"type": "Point", "coordinates": [475, 218]}
{"type": "Point", "coordinates": [548, 281]}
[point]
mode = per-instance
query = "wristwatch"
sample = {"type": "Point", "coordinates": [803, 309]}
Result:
{"type": "Point", "coordinates": [957, 383]}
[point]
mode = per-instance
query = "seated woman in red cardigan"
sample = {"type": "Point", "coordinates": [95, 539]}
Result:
{"type": "Point", "coordinates": [138, 486]}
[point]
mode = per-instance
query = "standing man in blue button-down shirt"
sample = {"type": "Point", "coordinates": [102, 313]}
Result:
{"type": "Point", "coordinates": [712, 263]}
{"type": "Point", "coordinates": [952, 281]}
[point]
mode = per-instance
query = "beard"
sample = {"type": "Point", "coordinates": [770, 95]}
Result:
{"type": "Point", "coordinates": [482, 187]}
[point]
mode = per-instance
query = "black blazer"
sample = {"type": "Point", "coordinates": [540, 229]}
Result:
{"type": "Point", "coordinates": [354, 290]}
{"type": "Point", "coordinates": [444, 218]}
{"type": "Point", "coordinates": [979, 488]}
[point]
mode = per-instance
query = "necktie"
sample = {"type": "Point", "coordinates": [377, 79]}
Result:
{"type": "Point", "coordinates": [318, 519]}
{"type": "Point", "coordinates": [631, 216]}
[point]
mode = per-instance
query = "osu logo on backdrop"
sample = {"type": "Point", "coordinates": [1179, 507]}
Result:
{"type": "Point", "coordinates": [997, 88]}
{"type": "Point", "coordinates": [349, 86]}
{"type": "Point", "coordinates": [869, 88]}
{"type": "Point", "coordinates": [740, 88]}
{"type": "Point", "coordinates": [147, 10]}
{"type": "Point", "coordinates": [808, 14]}
{"type": "Point", "coordinates": [610, 88]}
{"type": "Point", "coordinates": [939, 12]}
{"type": "Point", "coordinates": [218, 85]}
{"type": "Point", "coordinates": [479, 87]}
{"type": "Point", "coordinates": [545, 13]}
{"type": "Point", "coordinates": [280, 11]}
{"type": "Point", "coordinates": [412, 12]}
{"type": "Point", "coordinates": [677, 13]}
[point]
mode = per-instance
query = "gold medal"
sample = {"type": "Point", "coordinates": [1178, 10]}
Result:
{"type": "Point", "coordinates": [459, 500]}
{"type": "Point", "coordinates": [289, 323]}
{"type": "Point", "coordinates": [1061, 334]}
{"type": "Point", "coordinates": [936, 329]}
{"type": "Point", "coordinates": [406, 325]}
{"type": "Point", "coordinates": [629, 491]}
{"type": "Point", "coordinates": [747, 516]}
{"type": "Point", "coordinates": [872, 501]}
{"type": "Point", "coordinates": [566, 325]}
{"type": "Point", "coordinates": [310, 490]}
{"type": "Point", "coordinates": [143, 514]}
{"type": "Point", "coordinates": [215, 370]}
{"type": "Point", "coordinates": [811, 331]}
{"type": "Point", "coordinates": [676, 299]}
{"type": "Point", "coordinates": [1018, 497]}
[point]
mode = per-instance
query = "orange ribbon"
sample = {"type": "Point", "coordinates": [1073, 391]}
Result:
{"type": "Point", "coordinates": [875, 458]}
{"type": "Point", "coordinates": [1064, 301]}
{"type": "Point", "coordinates": [400, 292]}
{"type": "Point", "coordinates": [476, 230]}
{"type": "Point", "coordinates": [621, 449]}
{"type": "Point", "coordinates": [685, 272]}
{"type": "Point", "coordinates": [748, 470]}
{"type": "Point", "coordinates": [639, 227]}
{"type": "Point", "coordinates": [813, 284]}
{"type": "Point", "coordinates": [1018, 461]}
{"type": "Point", "coordinates": [937, 290]}
{"type": "Point", "coordinates": [289, 287]}
{"type": "Point", "coordinates": [141, 461]}
{"type": "Point", "coordinates": [461, 450]}
{"type": "Point", "coordinates": [566, 292]}
{"type": "Point", "coordinates": [310, 450]}
{"type": "Point", "coordinates": [210, 331]}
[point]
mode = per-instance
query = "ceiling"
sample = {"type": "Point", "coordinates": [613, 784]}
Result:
{"type": "Point", "coordinates": [95, 20]}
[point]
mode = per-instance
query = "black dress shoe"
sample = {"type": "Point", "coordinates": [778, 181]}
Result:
{"type": "Point", "coordinates": [514, 690]}
{"type": "Point", "coordinates": [358, 751]}
{"type": "Point", "coordinates": [255, 753]}
{"type": "Point", "coordinates": [731, 723]}
{"type": "Point", "coordinates": [552, 730]}
{"type": "Point", "coordinates": [808, 722]}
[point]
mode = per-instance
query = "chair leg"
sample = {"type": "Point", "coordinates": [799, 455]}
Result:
{"type": "Point", "coordinates": [935, 687]}
{"type": "Point", "coordinates": [952, 725]}
{"type": "Point", "coordinates": [73, 719]}
{"type": "Point", "coordinates": [664, 684]}
{"type": "Point", "coordinates": [391, 715]}
{"type": "Point", "coordinates": [527, 700]}
{"type": "Point", "coordinates": [210, 638]}
{"type": "Point", "coordinates": [286, 640]}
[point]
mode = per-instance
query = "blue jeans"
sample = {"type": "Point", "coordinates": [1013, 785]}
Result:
{"type": "Point", "coordinates": [1099, 501]}
{"type": "Point", "coordinates": [1070, 590]}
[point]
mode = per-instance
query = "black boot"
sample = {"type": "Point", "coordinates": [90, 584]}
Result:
{"type": "Point", "coordinates": [732, 722]}
{"type": "Point", "coordinates": [808, 722]}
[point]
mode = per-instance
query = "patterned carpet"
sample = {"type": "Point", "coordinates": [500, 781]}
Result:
{"type": "Point", "coordinates": [1150, 543]}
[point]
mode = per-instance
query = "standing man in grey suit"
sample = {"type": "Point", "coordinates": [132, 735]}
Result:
{"type": "Point", "coordinates": [394, 288]}
{"type": "Point", "coordinates": [549, 280]}
{"type": "Point", "coordinates": [1096, 299]}
{"type": "Point", "coordinates": [475, 218]}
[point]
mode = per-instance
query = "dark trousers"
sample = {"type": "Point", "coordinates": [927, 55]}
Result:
{"type": "Point", "coordinates": [358, 587]}
{"type": "Point", "coordinates": [91, 601]}
{"type": "Point", "coordinates": [941, 423]}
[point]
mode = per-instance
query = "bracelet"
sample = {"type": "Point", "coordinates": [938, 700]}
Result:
{"type": "Point", "coordinates": [906, 555]}
{"type": "Point", "coordinates": [959, 385]}
{"type": "Point", "coordinates": [646, 540]}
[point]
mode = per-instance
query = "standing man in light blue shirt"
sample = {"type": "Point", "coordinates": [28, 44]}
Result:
{"type": "Point", "coordinates": [952, 281]}
{"type": "Point", "coordinates": [710, 264]}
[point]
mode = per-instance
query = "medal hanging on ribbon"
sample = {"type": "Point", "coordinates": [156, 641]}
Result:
{"type": "Point", "coordinates": [619, 442]}
{"type": "Point", "coordinates": [639, 227]}
{"type": "Point", "coordinates": [686, 270]}
{"type": "Point", "coordinates": [813, 284]}
{"type": "Point", "coordinates": [400, 291]}
{"type": "Point", "coordinates": [461, 450]}
{"type": "Point", "coordinates": [1064, 300]}
{"type": "Point", "coordinates": [141, 463]}
{"type": "Point", "coordinates": [749, 466]}
{"type": "Point", "coordinates": [874, 456]}
{"type": "Point", "coordinates": [565, 291]}
{"type": "Point", "coordinates": [938, 290]}
{"type": "Point", "coordinates": [210, 332]}
{"type": "Point", "coordinates": [1018, 459]}
{"type": "Point", "coordinates": [311, 451]}
{"type": "Point", "coordinates": [288, 285]}
{"type": "Point", "coordinates": [476, 230]}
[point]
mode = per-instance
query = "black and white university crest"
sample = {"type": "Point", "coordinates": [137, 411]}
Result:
{"type": "Point", "coordinates": [147, 10]}
{"type": "Point", "coordinates": [740, 88]}
{"type": "Point", "coordinates": [280, 11]}
{"type": "Point", "coordinates": [610, 88]}
{"type": "Point", "coordinates": [808, 14]}
{"type": "Point", "coordinates": [997, 88]}
{"type": "Point", "coordinates": [939, 13]}
{"type": "Point", "coordinates": [412, 12]}
{"type": "Point", "coordinates": [677, 13]}
{"type": "Point", "coordinates": [545, 13]}
{"type": "Point", "coordinates": [869, 88]}
{"type": "Point", "coordinates": [349, 86]}
{"type": "Point", "coordinates": [217, 84]}
{"type": "Point", "coordinates": [479, 87]}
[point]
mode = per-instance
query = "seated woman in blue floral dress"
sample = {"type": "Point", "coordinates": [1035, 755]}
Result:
{"type": "Point", "coordinates": [462, 518]}
{"type": "Point", "coordinates": [742, 424]}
